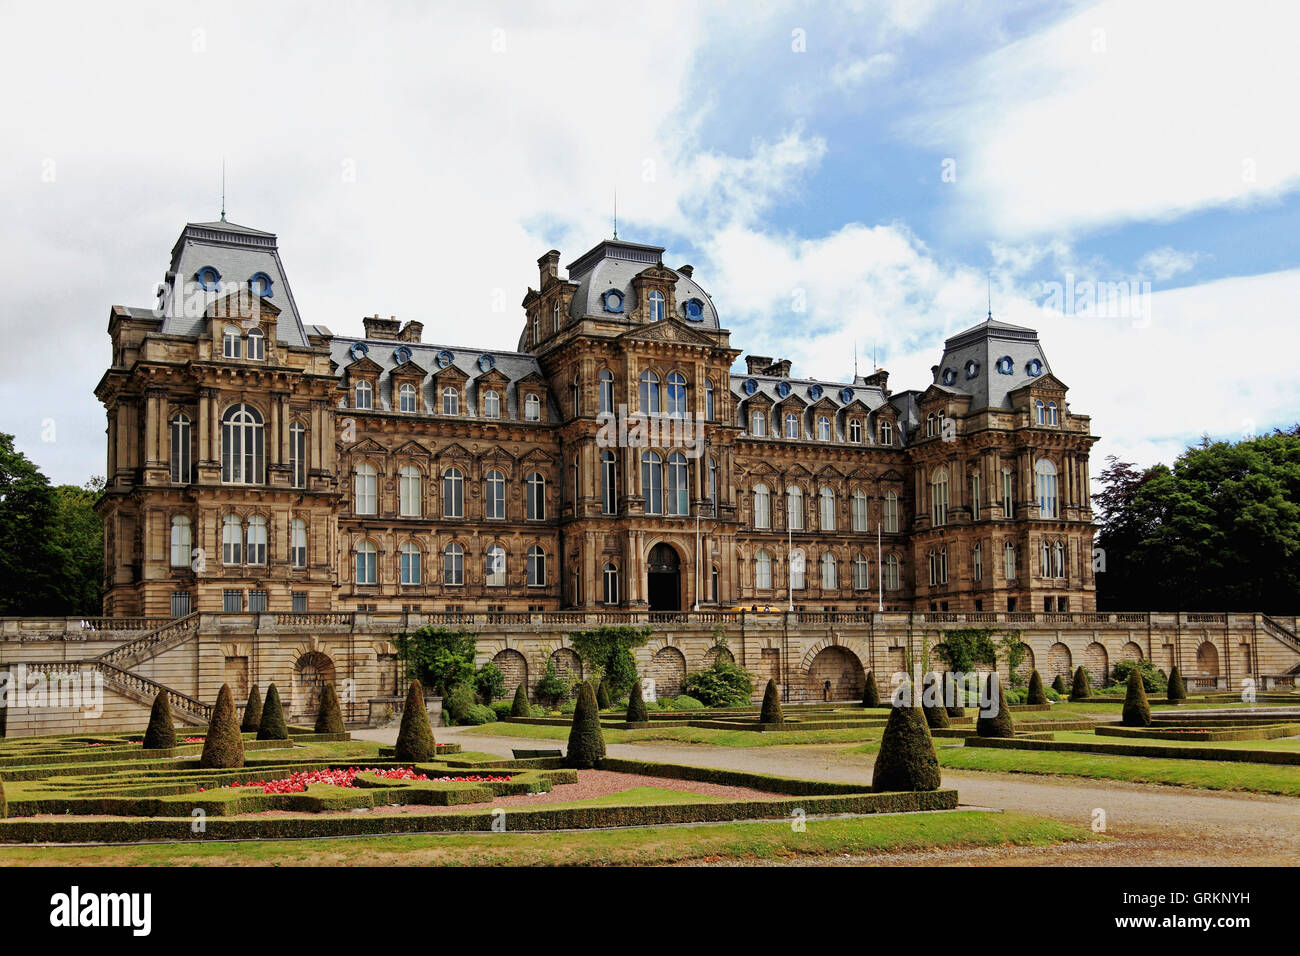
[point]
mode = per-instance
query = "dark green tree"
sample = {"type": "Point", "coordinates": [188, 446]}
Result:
{"type": "Point", "coordinates": [1177, 691]}
{"type": "Point", "coordinates": [252, 711]}
{"type": "Point", "coordinates": [1035, 694]}
{"type": "Point", "coordinates": [724, 683]}
{"type": "Point", "coordinates": [551, 688]}
{"type": "Point", "coordinates": [1137, 712]}
{"type": "Point", "coordinates": [520, 707]}
{"type": "Point", "coordinates": [329, 719]}
{"type": "Point", "coordinates": [607, 651]}
{"type": "Point", "coordinates": [1082, 688]}
{"type": "Point", "coordinates": [771, 712]}
{"type": "Point", "coordinates": [936, 715]}
{"type": "Point", "coordinates": [636, 709]}
{"type": "Point", "coordinates": [602, 695]}
{"type": "Point", "coordinates": [272, 725]}
{"type": "Point", "coordinates": [999, 722]}
{"type": "Point", "coordinates": [871, 693]}
{"type": "Point", "coordinates": [222, 746]}
{"type": "Point", "coordinates": [586, 742]}
{"type": "Point", "coordinates": [1058, 685]}
{"type": "Point", "coordinates": [438, 657]}
{"type": "Point", "coordinates": [906, 759]}
{"type": "Point", "coordinates": [955, 694]}
{"type": "Point", "coordinates": [161, 732]}
{"type": "Point", "coordinates": [414, 736]}
{"type": "Point", "coordinates": [4, 804]}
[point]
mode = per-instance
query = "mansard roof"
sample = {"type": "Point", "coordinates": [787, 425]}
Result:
{"type": "Point", "coordinates": [971, 362]}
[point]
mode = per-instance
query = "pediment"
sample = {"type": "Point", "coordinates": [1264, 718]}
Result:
{"type": "Point", "coordinates": [536, 455]}
{"type": "Point", "coordinates": [454, 450]}
{"type": "Point", "coordinates": [413, 449]}
{"type": "Point", "coordinates": [409, 369]}
{"type": "Point", "coordinates": [667, 330]}
{"type": "Point", "coordinates": [891, 475]}
{"type": "Point", "coordinates": [364, 365]}
{"type": "Point", "coordinates": [367, 446]}
{"type": "Point", "coordinates": [1047, 382]}
{"type": "Point", "coordinates": [241, 304]}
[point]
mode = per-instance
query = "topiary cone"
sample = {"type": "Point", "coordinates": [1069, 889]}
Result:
{"type": "Point", "coordinates": [520, 706]}
{"type": "Point", "coordinates": [636, 709]}
{"type": "Point", "coordinates": [415, 737]}
{"type": "Point", "coordinates": [161, 732]}
{"type": "Point", "coordinates": [1137, 712]}
{"type": "Point", "coordinates": [936, 714]}
{"type": "Point", "coordinates": [1177, 690]}
{"type": "Point", "coordinates": [329, 719]}
{"type": "Point", "coordinates": [602, 695]}
{"type": "Point", "coordinates": [222, 746]}
{"type": "Point", "coordinates": [771, 713]}
{"type": "Point", "coordinates": [955, 709]}
{"type": "Point", "coordinates": [906, 759]}
{"type": "Point", "coordinates": [1081, 690]}
{"type": "Point", "coordinates": [999, 723]}
{"type": "Point", "coordinates": [871, 694]}
{"type": "Point", "coordinates": [4, 804]}
{"type": "Point", "coordinates": [272, 726]}
{"type": "Point", "coordinates": [1058, 685]}
{"type": "Point", "coordinates": [1035, 694]}
{"type": "Point", "coordinates": [586, 742]}
{"type": "Point", "coordinates": [252, 711]}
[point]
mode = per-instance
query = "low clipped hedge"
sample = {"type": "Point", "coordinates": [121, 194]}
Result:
{"type": "Point", "coordinates": [1284, 757]}
{"type": "Point", "coordinates": [1207, 734]}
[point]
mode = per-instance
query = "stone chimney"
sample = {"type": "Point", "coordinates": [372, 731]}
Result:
{"type": "Point", "coordinates": [757, 364]}
{"type": "Point", "coordinates": [688, 271]}
{"type": "Point", "coordinates": [879, 378]}
{"type": "Point", "coordinates": [548, 267]}
{"type": "Point", "coordinates": [780, 368]}
{"type": "Point", "coordinates": [934, 373]}
{"type": "Point", "coordinates": [411, 331]}
{"type": "Point", "coordinates": [377, 328]}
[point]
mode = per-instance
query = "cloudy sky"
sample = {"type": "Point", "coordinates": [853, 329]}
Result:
{"type": "Point", "coordinates": [841, 176]}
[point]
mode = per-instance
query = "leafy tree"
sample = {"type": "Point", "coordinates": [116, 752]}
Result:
{"type": "Point", "coordinates": [415, 737]}
{"type": "Point", "coordinates": [1152, 680]}
{"type": "Point", "coordinates": [458, 702]}
{"type": "Point", "coordinates": [79, 538]}
{"type": "Point", "coordinates": [586, 742]}
{"type": "Point", "coordinates": [161, 732]}
{"type": "Point", "coordinates": [607, 651]}
{"type": "Point", "coordinates": [1013, 651]}
{"type": "Point", "coordinates": [329, 719]}
{"type": "Point", "coordinates": [438, 657]}
{"type": "Point", "coordinates": [222, 746]}
{"type": "Point", "coordinates": [723, 683]}
{"type": "Point", "coordinates": [906, 759]}
{"type": "Point", "coordinates": [963, 648]}
{"type": "Point", "coordinates": [272, 725]}
{"type": "Point", "coordinates": [551, 688]}
{"type": "Point", "coordinates": [489, 683]}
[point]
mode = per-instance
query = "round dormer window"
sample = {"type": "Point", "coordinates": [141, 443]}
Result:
{"type": "Point", "coordinates": [949, 376]}
{"type": "Point", "coordinates": [486, 363]}
{"type": "Point", "coordinates": [846, 395]}
{"type": "Point", "coordinates": [1005, 365]}
{"type": "Point", "coordinates": [814, 392]}
{"type": "Point", "coordinates": [613, 301]}
{"type": "Point", "coordinates": [750, 386]}
{"type": "Point", "coordinates": [695, 310]}
{"type": "Point", "coordinates": [783, 389]}
{"type": "Point", "coordinates": [260, 284]}
{"type": "Point", "coordinates": [1033, 368]}
{"type": "Point", "coordinates": [209, 278]}
{"type": "Point", "coordinates": [358, 351]}
{"type": "Point", "coordinates": [402, 354]}
{"type": "Point", "coordinates": [444, 358]}
{"type": "Point", "coordinates": [972, 368]}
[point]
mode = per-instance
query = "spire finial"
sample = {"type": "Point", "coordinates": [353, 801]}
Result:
{"type": "Point", "coordinates": [223, 189]}
{"type": "Point", "coordinates": [989, 277]}
{"type": "Point", "coordinates": [855, 360]}
{"type": "Point", "coordinates": [615, 212]}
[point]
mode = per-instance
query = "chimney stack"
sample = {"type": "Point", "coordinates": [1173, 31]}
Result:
{"type": "Point", "coordinates": [688, 271]}
{"type": "Point", "coordinates": [411, 331]}
{"type": "Point", "coordinates": [548, 267]}
{"type": "Point", "coordinates": [756, 364]}
{"type": "Point", "coordinates": [780, 368]}
{"type": "Point", "coordinates": [377, 328]}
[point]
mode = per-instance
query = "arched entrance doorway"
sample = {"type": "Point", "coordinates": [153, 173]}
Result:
{"type": "Point", "coordinates": [311, 672]}
{"type": "Point", "coordinates": [664, 579]}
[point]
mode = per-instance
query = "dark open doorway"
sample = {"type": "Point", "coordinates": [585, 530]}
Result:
{"type": "Point", "coordinates": [664, 579]}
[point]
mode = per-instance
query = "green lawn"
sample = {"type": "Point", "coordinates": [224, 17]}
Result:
{"type": "Point", "coordinates": [624, 847]}
{"type": "Point", "coordinates": [683, 735]}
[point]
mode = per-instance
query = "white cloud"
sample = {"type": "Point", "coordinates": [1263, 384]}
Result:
{"type": "Point", "coordinates": [1166, 262]}
{"type": "Point", "coordinates": [850, 75]}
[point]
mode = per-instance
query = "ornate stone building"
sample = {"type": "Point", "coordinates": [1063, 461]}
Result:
{"type": "Point", "coordinates": [613, 459]}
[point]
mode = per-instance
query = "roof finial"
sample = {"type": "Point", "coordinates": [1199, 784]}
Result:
{"type": "Point", "coordinates": [855, 360]}
{"type": "Point", "coordinates": [988, 275]}
{"type": "Point", "coordinates": [223, 189]}
{"type": "Point", "coordinates": [615, 212]}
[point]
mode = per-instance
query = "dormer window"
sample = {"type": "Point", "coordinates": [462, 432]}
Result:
{"type": "Point", "coordinates": [949, 376]}
{"type": "Point", "coordinates": [1040, 413]}
{"type": "Point", "coordinates": [791, 425]}
{"type": "Point", "coordinates": [1005, 365]}
{"type": "Point", "coordinates": [694, 310]}
{"type": "Point", "coordinates": [365, 395]}
{"type": "Point", "coordinates": [972, 369]}
{"type": "Point", "coordinates": [260, 284]}
{"type": "Point", "coordinates": [886, 433]}
{"type": "Point", "coordinates": [532, 409]}
{"type": "Point", "coordinates": [231, 343]}
{"type": "Point", "coordinates": [855, 430]}
{"type": "Point", "coordinates": [491, 405]}
{"type": "Point", "coordinates": [450, 401]}
{"type": "Point", "coordinates": [1051, 413]}
{"type": "Point", "coordinates": [1033, 368]}
{"type": "Point", "coordinates": [613, 300]}
{"type": "Point", "coordinates": [406, 396]}
{"type": "Point", "coordinates": [256, 345]}
{"type": "Point", "coordinates": [656, 306]}
{"type": "Point", "coordinates": [208, 278]}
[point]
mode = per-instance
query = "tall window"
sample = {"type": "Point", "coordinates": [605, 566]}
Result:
{"type": "Point", "coordinates": [1040, 412]}
{"type": "Point", "coordinates": [494, 567]}
{"type": "Point", "coordinates": [713, 484]}
{"type": "Point", "coordinates": [855, 430]}
{"type": "Point", "coordinates": [298, 454]}
{"type": "Point", "coordinates": [939, 566]}
{"type": "Point", "coordinates": [649, 392]}
{"type": "Point", "coordinates": [939, 497]}
{"type": "Point", "coordinates": [606, 380]}
{"type": "Point", "coordinates": [860, 511]}
{"type": "Point", "coordinates": [798, 568]}
{"type": "Point", "coordinates": [794, 507]}
{"type": "Point", "coordinates": [298, 543]}
{"type": "Point", "coordinates": [886, 433]}
{"type": "Point", "coordinates": [1051, 414]}
{"type": "Point", "coordinates": [677, 395]}
{"type": "Point", "coordinates": [708, 399]}
{"type": "Point", "coordinates": [555, 318]}
{"type": "Point", "coordinates": [366, 487]}
{"type": "Point", "coordinates": [975, 496]}
{"type": "Point", "coordinates": [1008, 494]}
{"type": "Point", "coordinates": [232, 540]}
{"type": "Point", "coordinates": [1058, 560]}
{"type": "Point", "coordinates": [827, 501]}
{"type": "Point", "coordinates": [758, 423]}
{"type": "Point", "coordinates": [256, 552]}
{"type": "Point", "coordinates": [409, 492]}
{"type": "Point", "coordinates": [450, 400]}
{"type": "Point", "coordinates": [791, 425]}
{"type": "Point", "coordinates": [1009, 561]}
{"type": "Point", "coordinates": [861, 573]}
{"type": "Point", "coordinates": [829, 575]}
{"type": "Point", "coordinates": [231, 345]}
{"type": "Point", "coordinates": [1045, 482]}
{"type": "Point", "coordinates": [611, 584]}
{"type": "Point", "coordinates": [180, 435]}
{"type": "Point", "coordinates": [453, 493]}
{"type": "Point", "coordinates": [256, 345]}
{"type": "Point", "coordinates": [678, 485]}
{"type": "Point", "coordinates": [656, 306]}
{"type": "Point", "coordinates": [243, 446]}
{"type": "Point", "coordinates": [536, 567]}
{"type": "Point", "coordinates": [365, 395]}
{"type": "Point", "coordinates": [823, 428]}
{"type": "Point", "coordinates": [977, 563]}
{"type": "Point", "coordinates": [406, 396]}
{"type": "Point", "coordinates": [1045, 559]}
{"type": "Point", "coordinates": [367, 562]}
{"type": "Point", "coordinates": [652, 483]}
{"type": "Point", "coordinates": [532, 408]}
{"type": "Point", "coordinates": [891, 511]}
{"type": "Point", "coordinates": [762, 507]}
{"type": "Point", "coordinates": [891, 573]}
{"type": "Point", "coordinates": [409, 563]}
{"type": "Point", "coordinates": [494, 495]}
{"type": "Point", "coordinates": [535, 485]}
{"type": "Point", "coordinates": [180, 541]}
{"type": "Point", "coordinates": [608, 483]}
{"type": "Point", "coordinates": [763, 571]}
{"type": "Point", "coordinates": [491, 404]}
{"type": "Point", "coordinates": [453, 565]}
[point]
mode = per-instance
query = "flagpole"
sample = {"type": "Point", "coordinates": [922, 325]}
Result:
{"type": "Point", "coordinates": [697, 561]}
{"type": "Point", "coordinates": [789, 561]}
{"type": "Point", "coordinates": [880, 574]}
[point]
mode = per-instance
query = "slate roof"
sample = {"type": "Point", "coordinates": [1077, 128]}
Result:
{"type": "Point", "coordinates": [613, 264]}
{"type": "Point", "coordinates": [985, 344]}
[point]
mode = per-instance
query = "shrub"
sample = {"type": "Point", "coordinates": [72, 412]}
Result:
{"type": "Point", "coordinates": [586, 742]}
{"type": "Point", "coordinates": [1082, 689]}
{"type": "Point", "coordinates": [568, 706]}
{"type": "Point", "coordinates": [607, 650]}
{"type": "Point", "coordinates": [520, 708]}
{"type": "Point", "coordinates": [936, 715]}
{"type": "Point", "coordinates": [906, 760]}
{"type": "Point", "coordinates": [459, 699]}
{"type": "Point", "coordinates": [1058, 685]}
{"type": "Point", "coordinates": [223, 748]}
{"type": "Point", "coordinates": [636, 711]}
{"type": "Point", "coordinates": [686, 702]}
{"type": "Point", "coordinates": [438, 657]}
{"type": "Point", "coordinates": [602, 695]}
{"type": "Point", "coordinates": [771, 713]}
{"type": "Point", "coordinates": [329, 719]}
{"type": "Point", "coordinates": [1035, 694]}
{"type": "Point", "coordinates": [871, 694]}
{"type": "Point", "coordinates": [1053, 696]}
{"type": "Point", "coordinates": [956, 709]}
{"type": "Point", "coordinates": [1176, 689]}
{"type": "Point", "coordinates": [415, 737]}
{"type": "Point", "coordinates": [479, 714]}
{"type": "Point", "coordinates": [506, 708]}
{"type": "Point", "coordinates": [161, 732]}
{"type": "Point", "coordinates": [252, 711]}
{"type": "Point", "coordinates": [999, 724]}
{"type": "Point", "coordinates": [489, 683]}
{"type": "Point", "coordinates": [551, 688]}
{"type": "Point", "coordinates": [724, 683]}
{"type": "Point", "coordinates": [272, 725]}
{"type": "Point", "coordinates": [1015, 695]}
{"type": "Point", "coordinates": [1137, 712]}
{"type": "Point", "coordinates": [1153, 682]}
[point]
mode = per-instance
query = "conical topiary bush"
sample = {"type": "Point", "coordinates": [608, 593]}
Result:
{"type": "Point", "coordinates": [936, 714]}
{"type": "Point", "coordinates": [998, 723]}
{"type": "Point", "coordinates": [520, 706]}
{"type": "Point", "coordinates": [222, 746]}
{"type": "Point", "coordinates": [586, 742]}
{"type": "Point", "coordinates": [871, 694]}
{"type": "Point", "coordinates": [1035, 694]}
{"type": "Point", "coordinates": [161, 732]}
{"type": "Point", "coordinates": [415, 737]}
{"type": "Point", "coordinates": [1177, 690]}
{"type": "Point", "coordinates": [1082, 689]}
{"type": "Point", "coordinates": [636, 709]}
{"type": "Point", "coordinates": [1058, 685]}
{"type": "Point", "coordinates": [771, 712]}
{"type": "Point", "coordinates": [906, 759]}
{"type": "Point", "coordinates": [953, 696]}
{"type": "Point", "coordinates": [1137, 712]}
{"type": "Point", "coordinates": [329, 719]}
{"type": "Point", "coordinates": [602, 695]}
{"type": "Point", "coordinates": [272, 725]}
{"type": "Point", "coordinates": [252, 711]}
{"type": "Point", "coordinates": [4, 804]}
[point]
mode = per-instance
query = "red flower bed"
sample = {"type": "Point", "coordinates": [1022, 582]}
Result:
{"type": "Point", "coordinates": [298, 781]}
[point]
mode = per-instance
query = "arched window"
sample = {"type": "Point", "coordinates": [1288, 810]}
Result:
{"type": "Point", "coordinates": [535, 486]}
{"type": "Point", "coordinates": [1051, 414]}
{"type": "Point", "coordinates": [829, 575]}
{"type": "Point", "coordinates": [606, 379]}
{"type": "Point", "coordinates": [1058, 560]}
{"type": "Point", "coordinates": [410, 563]}
{"type": "Point", "coordinates": [367, 562]}
{"type": "Point", "coordinates": [677, 395]}
{"type": "Point", "coordinates": [823, 428]}
{"type": "Point", "coordinates": [256, 345]}
{"type": "Point", "coordinates": [1008, 494]}
{"type": "Point", "coordinates": [891, 573]}
{"type": "Point", "coordinates": [855, 430]}
{"type": "Point", "coordinates": [494, 494]}
{"type": "Point", "coordinates": [1045, 559]}
{"type": "Point", "coordinates": [611, 584]}
{"type": "Point", "coordinates": [656, 306]}
{"type": "Point", "coordinates": [649, 392]}
{"type": "Point", "coordinates": [494, 566]}
{"type": "Point", "coordinates": [1040, 412]}
{"type": "Point", "coordinates": [243, 448]}
{"type": "Point", "coordinates": [298, 543]}
{"type": "Point", "coordinates": [232, 540]}
{"type": "Point", "coordinates": [938, 561]}
{"type": "Point", "coordinates": [231, 344]}
{"type": "Point", "coordinates": [861, 573]}
{"type": "Point", "coordinates": [977, 562]}
{"type": "Point", "coordinates": [575, 393]}
{"type": "Point", "coordinates": [762, 507]}
{"type": "Point", "coordinates": [532, 409]}
{"type": "Point", "coordinates": [366, 488]}
{"type": "Point", "coordinates": [1045, 481]}
{"type": "Point", "coordinates": [453, 493]}
{"type": "Point", "coordinates": [536, 567]}
{"type": "Point", "coordinates": [256, 550]}
{"type": "Point", "coordinates": [453, 565]}
{"type": "Point", "coordinates": [713, 484]}
{"type": "Point", "coordinates": [708, 399]}
{"type": "Point", "coordinates": [929, 425]}
{"type": "Point", "coordinates": [758, 423]}
{"type": "Point", "coordinates": [406, 396]}
{"type": "Point", "coordinates": [891, 511]}
{"type": "Point", "coordinates": [555, 317]}
{"type": "Point", "coordinates": [652, 483]}
{"type": "Point", "coordinates": [975, 495]}
{"type": "Point", "coordinates": [365, 394]}
{"type": "Point", "coordinates": [298, 454]}
{"type": "Point", "coordinates": [763, 571]}
{"type": "Point", "coordinates": [794, 507]}
{"type": "Point", "coordinates": [608, 483]}
{"type": "Point", "coordinates": [791, 425]}
{"type": "Point", "coordinates": [409, 491]}
{"type": "Point", "coordinates": [1009, 560]}
{"type": "Point", "coordinates": [450, 400]}
{"type": "Point", "coordinates": [860, 511]}
{"type": "Point", "coordinates": [180, 436]}
{"type": "Point", "coordinates": [939, 497]}
{"type": "Point", "coordinates": [537, 331]}
{"type": "Point", "coordinates": [491, 404]}
{"type": "Point", "coordinates": [798, 567]}
{"type": "Point", "coordinates": [678, 485]}
{"type": "Point", "coordinates": [181, 545]}
{"type": "Point", "coordinates": [827, 501]}
{"type": "Point", "coordinates": [886, 433]}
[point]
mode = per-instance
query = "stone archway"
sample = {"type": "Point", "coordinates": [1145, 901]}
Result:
{"type": "Point", "coordinates": [1027, 665]}
{"type": "Point", "coordinates": [1130, 653]}
{"type": "Point", "coordinates": [718, 653]}
{"type": "Point", "coordinates": [514, 668]}
{"type": "Point", "coordinates": [311, 672]}
{"type": "Point", "coordinates": [664, 578]}
{"type": "Point", "coordinates": [1059, 662]}
{"type": "Point", "coordinates": [835, 674]}
{"type": "Point", "coordinates": [668, 669]}
{"type": "Point", "coordinates": [1207, 660]}
{"type": "Point", "coordinates": [1097, 663]}
{"type": "Point", "coordinates": [568, 665]}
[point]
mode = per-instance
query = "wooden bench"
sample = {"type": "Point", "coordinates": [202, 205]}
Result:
{"type": "Point", "coordinates": [531, 754]}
